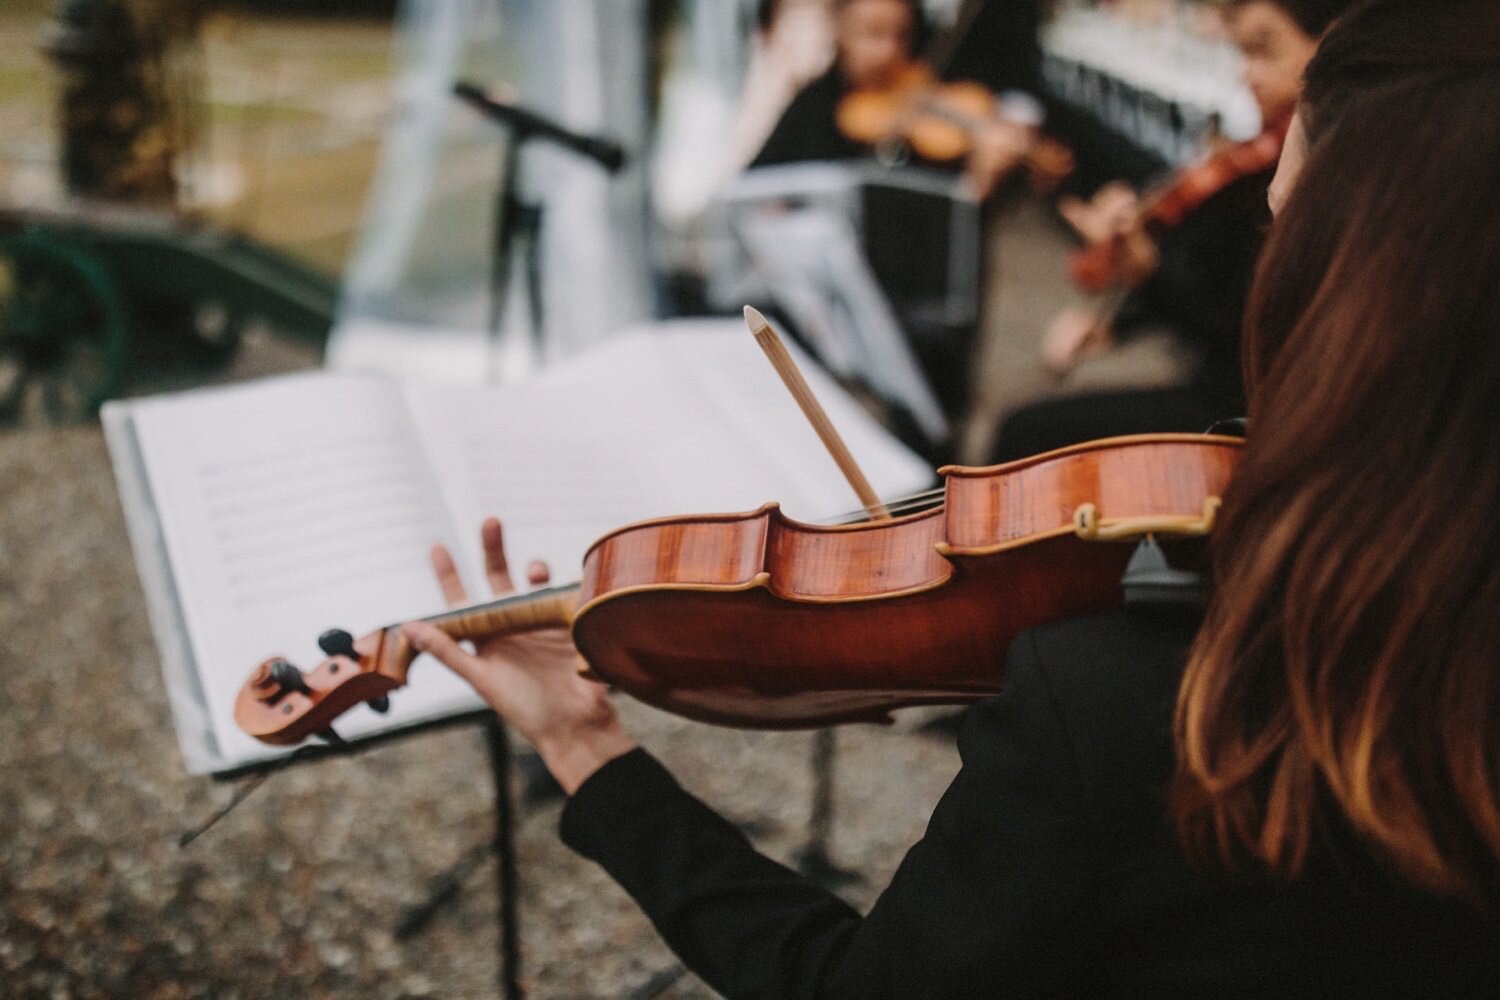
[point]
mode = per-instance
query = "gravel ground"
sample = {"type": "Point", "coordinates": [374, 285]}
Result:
{"type": "Point", "coordinates": [296, 892]}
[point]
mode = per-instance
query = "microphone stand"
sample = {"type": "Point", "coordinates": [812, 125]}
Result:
{"type": "Point", "coordinates": [515, 220]}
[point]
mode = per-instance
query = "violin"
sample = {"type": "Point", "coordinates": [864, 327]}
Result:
{"type": "Point", "coordinates": [1101, 266]}
{"type": "Point", "coordinates": [937, 120]}
{"type": "Point", "coordinates": [757, 620]}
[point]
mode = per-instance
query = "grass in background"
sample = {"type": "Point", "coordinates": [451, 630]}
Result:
{"type": "Point", "coordinates": [274, 91]}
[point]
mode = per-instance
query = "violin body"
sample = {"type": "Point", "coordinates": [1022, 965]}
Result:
{"type": "Point", "coordinates": [936, 119]}
{"type": "Point", "coordinates": [760, 621]}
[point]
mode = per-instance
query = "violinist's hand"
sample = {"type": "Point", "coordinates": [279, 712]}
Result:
{"type": "Point", "coordinates": [1075, 335]}
{"type": "Point", "coordinates": [530, 680]}
{"type": "Point", "coordinates": [1112, 210]}
{"type": "Point", "coordinates": [999, 146]}
{"type": "Point", "coordinates": [1139, 257]}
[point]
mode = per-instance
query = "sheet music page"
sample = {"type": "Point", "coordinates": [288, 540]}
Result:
{"type": "Point", "coordinates": [724, 361]}
{"type": "Point", "coordinates": [633, 430]}
{"type": "Point", "coordinates": [288, 507]}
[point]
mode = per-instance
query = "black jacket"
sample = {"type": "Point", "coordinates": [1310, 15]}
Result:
{"type": "Point", "coordinates": [1202, 284]}
{"type": "Point", "coordinates": [1047, 870]}
{"type": "Point", "coordinates": [808, 129]}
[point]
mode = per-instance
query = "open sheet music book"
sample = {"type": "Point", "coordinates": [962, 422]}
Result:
{"type": "Point", "coordinates": [264, 513]}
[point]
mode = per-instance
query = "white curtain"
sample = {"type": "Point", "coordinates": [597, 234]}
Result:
{"type": "Point", "coordinates": [416, 292]}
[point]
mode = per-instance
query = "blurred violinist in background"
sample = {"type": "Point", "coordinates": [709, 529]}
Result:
{"type": "Point", "coordinates": [1179, 256]}
{"type": "Point", "coordinates": [793, 45]}
{"type": "Point", "coordinates": [966, 107]}
{"type": "Point", "coordinates": [877, 89]}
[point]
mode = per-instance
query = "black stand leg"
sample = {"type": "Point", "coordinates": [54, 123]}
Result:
{"type": "Point", "coordinates": [506, 881]}
{"type": "Point", "coordinates": [503, 232]}
{"type": "Point", "coordinates": [813, 860]}
{"type": "Point", "coordinates": [514, 222]}
{"type": "Point", "coordinates": [414, 918]}
{"type": "Point", "coordinates": [503, 847]}
{"type": "Point", "coordinates": [658, 983]}
{"type": "Point", "coordinates": [531, 225]}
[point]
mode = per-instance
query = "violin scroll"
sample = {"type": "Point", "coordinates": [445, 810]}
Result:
{"type": "Point", "coordinates": [282, 705]}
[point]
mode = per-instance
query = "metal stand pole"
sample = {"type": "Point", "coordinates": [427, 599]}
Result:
{"type": "Point", "coordinates": [507, 883]}
{"type": "Point", "coordinates": [503, 847]}
{"type": "Point", "coordinates": [513, 222]}
{"type": "Point", "coordinates": [506, 216]}
{"type": "Point", "coordinates": [813, 860]}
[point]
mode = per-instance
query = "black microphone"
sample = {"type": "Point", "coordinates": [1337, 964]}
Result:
{"type": "Point", "coordinates": [607, 153]}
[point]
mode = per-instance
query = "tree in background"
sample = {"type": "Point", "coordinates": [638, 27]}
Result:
{"type": "Point", "coordinates": [128, 110]}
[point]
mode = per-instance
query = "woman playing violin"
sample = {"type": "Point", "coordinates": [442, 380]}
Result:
{"type": "Point", "coordinates": [873, 52]}
{"type": "Point", "coordinates": [1296, 796]}
{"type": "Point", "coordinates": [1190, 278]}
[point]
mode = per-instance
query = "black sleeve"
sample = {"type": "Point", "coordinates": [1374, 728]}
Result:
{"type": "Point", "coordinates": [987, 903]}
{"type": "Point", "coordinates": [808, 129]}
{"type": "Point", "coordinates": [787, 141]}
{"type": "Point", "coordinates": [1001, 48]}
{"type": "Point", "coordinates": [1203, 279]}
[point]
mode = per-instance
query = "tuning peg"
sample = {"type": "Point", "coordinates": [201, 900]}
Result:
{"type": "Point", "coordinates": [337, 642]}
{"type": "Point", "coordinates": [381, 704]}
{"type": "Point", "coordinates": [289, 677]}
{"type": "Point", "coordinates": [276, 678]}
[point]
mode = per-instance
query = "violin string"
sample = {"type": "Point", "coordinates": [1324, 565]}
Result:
{"type": "Point", "coordinates": [915, 497]}
{"type": "Point", "coordinates": [896, 505]}
{"type": "Point", "coordinates": [901, 504]}
{"type": "Point", "coordinates": [862, 515]}
{"type": "Point", "coordinates": [916, 503]}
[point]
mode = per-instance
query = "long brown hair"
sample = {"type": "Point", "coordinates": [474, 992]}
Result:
{"type": "Point", "coordinates": [1347, 678]}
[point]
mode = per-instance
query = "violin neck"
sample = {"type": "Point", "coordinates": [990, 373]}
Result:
{"type": "Point", "coordinates": [1192, 185]}
{"type": "Point", "coordinates": [540, 609]}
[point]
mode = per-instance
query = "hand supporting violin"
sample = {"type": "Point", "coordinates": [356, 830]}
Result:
{"type": "Point", "coordinates": [998, 147]}
{"type": "Point", "coordinates": [1122, 227]}
{"type": "Point", "coordinates": [1111, 209]}
{"type": "Point", "coordinates": [1111, 220]}
{"type": "Point", "coordinates": [1075, 335]}
{"type": "Point", "coordinates": [530, 680]}
{"type": "Point", "coordinates": [1081, 332]}
{"type": "Point", "coordinates": [1114, 220]}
